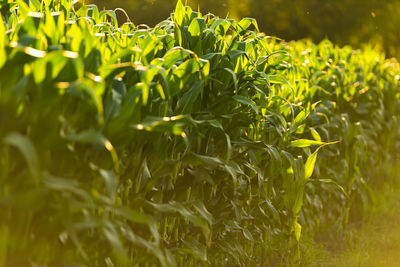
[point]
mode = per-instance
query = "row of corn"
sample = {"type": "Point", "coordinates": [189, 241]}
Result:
{"type": "Point", "coordinates": [197, 142]}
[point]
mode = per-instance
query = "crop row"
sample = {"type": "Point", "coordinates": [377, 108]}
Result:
{"type": "Point", "coordinates": [197, 142]}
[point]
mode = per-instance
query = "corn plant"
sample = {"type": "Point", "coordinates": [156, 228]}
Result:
{"type": "Point", "coordinates": [197, 142]}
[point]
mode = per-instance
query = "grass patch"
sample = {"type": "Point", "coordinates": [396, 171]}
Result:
{"type": "Point", "coordinates": [372, 241]}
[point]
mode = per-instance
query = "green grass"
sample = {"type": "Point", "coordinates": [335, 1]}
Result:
{"type": "Point", "coordinates": [371, 241]}
{"type": "Point", "coordinates": [197, 142]}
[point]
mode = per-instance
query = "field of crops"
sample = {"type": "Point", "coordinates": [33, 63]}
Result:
{"type": "Point", "coordinates": [199, 142]}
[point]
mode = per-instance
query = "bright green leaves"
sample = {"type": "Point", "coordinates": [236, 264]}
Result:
{"type": "Point", "coordinates": [310, 164]}
{"type": "Point", "coordinates": [179, 14]}
{"type": "Point", "coordinates": [297, 230]}
{"type": "Point", "coordinates": [50, 67]}
{"type": "Point", "coordinates": [162, 125]}
{"type": "Point", "coordinates": [197, 26]}
{"type": "Point", "coordinates": [174, 56]}
{"type": "Point", "coordinates": [220, 26]}
{"type": "Point", "coordinates": [54, 27]}
{"type": "Point", "coordinates": [189, 71]}
{"type": "Point", "coordinates": [3, 43]}
{"type": "Point", "coordinates": [245, 23]}
{"type": "Point", "coordinates": [311, 160]}
{"type": "Point", "coordinates": [315, 134]}
{"type": "Point", "coordinates": [302, 143]}
{"type": "Point", "coordinates": [109, 15]}
{"type": "Point", "coordinates": [195, 31]}
{"type": "Point", "coordinates": [300, 119]}
{"type": "Point", "coordinates": [147, 75]}
{"type": "Point", "coordinates": [48, 2]}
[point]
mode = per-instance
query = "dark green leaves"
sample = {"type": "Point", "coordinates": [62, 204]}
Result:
{"type": "Point", "coordinates": [27, 149]}
{"type": "Point", "coordinates": [246, 101]}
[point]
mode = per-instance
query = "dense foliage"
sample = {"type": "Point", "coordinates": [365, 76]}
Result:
{"type": "Point", "coordinates": [344, 22]}
{"type": "Point", "coordinates": [198, 141]}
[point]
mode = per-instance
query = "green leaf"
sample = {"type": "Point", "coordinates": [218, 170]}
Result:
{"type": "Point", "coordinates": [196, 248]}
{"type": "Point", "coordinates": [297, 231]}
{"type": "Point", "coordinates": [310, 163]}
{"type": "Point", "coordinates": [25, 146]}
{"type": "Point", "coordinates": [201, 208]}
{"type": "Point", "coordinates": [246, 101]}
{"type": "Point", "coordinates": [174, 55]}
{"type": "Point", "coordinates": [300, 118]}
{"type": "Point", "coordinates": [187, 102]}
{"type": "Point", "coordinates": [247, 234]}
{"type": "Point", "coordinates": [330, 181]}
{"type": "Point", "coordinates": [88, 136]}
{"type": "Point", "coordinates": [234, 77]}
{"type": "Point", "coordinates": [65, 185]}
{"type": "Point", "coordinates": [245, 23]}
{"type": "Point", "coordinates": [305, 143]}
{"type": "Point", "coordinates": [3, 54]}
{"type": "Point", "coordinates": [105, 14]}
{"type": "Point", "coordinates": [278, 79]}
{"type": "Point", "coordinates": [132, 215]}
{"type": "Point", "coordinates": [179, 13]}
{"type": "Point", "coordinates": [147, 77]}
{"type": "Point", "coordinates": [166, 124]}
{"type": "Point", "coordinates": [196, 159]}
{"type": "Point", "coordinates": [234, 54]}
{"type": "Point", "coordinates": [315, 134]}
{"type": "Point", "coordinates": [197, 26]}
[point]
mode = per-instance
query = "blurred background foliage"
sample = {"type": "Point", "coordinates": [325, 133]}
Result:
{"type": "Point", "coordinates": [354, 22]}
